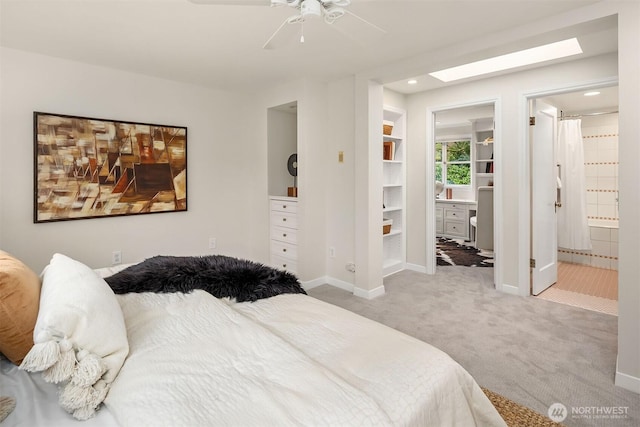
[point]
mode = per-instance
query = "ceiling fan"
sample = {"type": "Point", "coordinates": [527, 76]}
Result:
{"type": "Point", "coordinates": [329, 10]}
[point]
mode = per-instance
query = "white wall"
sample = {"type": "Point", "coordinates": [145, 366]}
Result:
{"type": "Point", "coordinates": [340, 208]}
{"type": "Point", "coordinates": [221, 189]}
{"type": "Point", "coordinates": [628, 369]}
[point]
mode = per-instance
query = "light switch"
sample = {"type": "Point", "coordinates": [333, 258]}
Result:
{"type": "Point", "coordinates": [340, 156]}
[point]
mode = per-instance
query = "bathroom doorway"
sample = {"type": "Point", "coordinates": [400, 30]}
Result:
{"type": "Point", "coordinates": [587, 274]}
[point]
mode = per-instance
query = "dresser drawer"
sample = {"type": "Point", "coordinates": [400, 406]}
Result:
{"type": "Point", "coordinates": [284, 263]}
{"type": "Point", "coordinates": [284, 219]}
{"type": "Point", "coordinates": [284, 206]}
{"type": "Point", "coordinates": [455, 228]}
{"type": "Point", "coordinates": [456, 214]}
{"type": "Point", "coordinates": [283, 234]}
{"type": "Point", "coordinates": [283, 249]}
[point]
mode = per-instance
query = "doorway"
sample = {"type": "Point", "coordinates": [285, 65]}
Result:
{"type": "Point", "coordinates": [463, 146]}
{"type": "Point", "coordinates": [586, 269]}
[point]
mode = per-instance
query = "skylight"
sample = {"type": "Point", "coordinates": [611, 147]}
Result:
{"type": "Point", "coordinates": [530, 56]}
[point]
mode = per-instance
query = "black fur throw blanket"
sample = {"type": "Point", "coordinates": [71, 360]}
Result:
{"type": "Point", "coordinates": [221, 276]}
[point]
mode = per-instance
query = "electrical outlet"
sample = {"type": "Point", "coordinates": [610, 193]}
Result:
{"type": "Point", "coordinates": [340, 156]}
{"type": "Point", "coordinates": [350, 267]}
{"type": "Point", "coordinates": [332, 252]}
{"type": "Point", "coordinates": [116, 257]}
{"type": "Point", "coordinates": [212, 242]}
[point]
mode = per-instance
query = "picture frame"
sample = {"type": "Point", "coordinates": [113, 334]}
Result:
{"type": "Point", "coordinates": [94, 168]}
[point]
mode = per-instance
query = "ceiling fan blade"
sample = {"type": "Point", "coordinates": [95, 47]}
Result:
{"type": "Point", "coordinates": [290, 20]}
{"type": "Point", "coordinates": [234, 2]}
{"type": "Point", "coordinates": [382, 30]}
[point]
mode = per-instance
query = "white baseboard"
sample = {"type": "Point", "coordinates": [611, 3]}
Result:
{"type": "Point", "coordinates": [346, 286]}
{"type": "Point", "coordinates": [369, 294]}
{"type": "Point", "coordinates": [310, 284]}
{"type": "Point", "coordinates": [340, 284]}
{"type": "Point", "coordinates": [327, 280]}
{"type": "Point", "coordinates": [627, 382]}
{"type": "Point", "coordinates": [416, 267]}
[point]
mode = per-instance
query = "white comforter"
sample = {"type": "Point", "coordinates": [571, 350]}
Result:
{"type": "Point", "coordinates": [195, 360]}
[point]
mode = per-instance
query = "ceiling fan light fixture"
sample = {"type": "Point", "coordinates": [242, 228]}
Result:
{"type": "Point", "coordinates": [310, 7]}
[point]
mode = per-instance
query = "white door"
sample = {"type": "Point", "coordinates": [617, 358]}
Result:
{"type": "Point", "coordinates": [544, 185]}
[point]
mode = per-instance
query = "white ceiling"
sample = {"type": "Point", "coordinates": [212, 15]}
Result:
{"type": "Point", "coordinates": [220, 46]}
{"type": "Point", "coordinates": [576, 102]}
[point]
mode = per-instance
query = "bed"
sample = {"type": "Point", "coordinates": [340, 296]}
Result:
{"type": "Point", "coordinates": [194, 359]}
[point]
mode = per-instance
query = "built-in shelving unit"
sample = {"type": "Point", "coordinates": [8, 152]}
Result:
{"type": "Point", "coordinates": [482, 140]}
{"type": "Point", "coordinates": [394, 190]}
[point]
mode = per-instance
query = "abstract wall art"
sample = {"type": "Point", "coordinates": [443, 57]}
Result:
{"type": "Point", "coordinates": [91, 168]}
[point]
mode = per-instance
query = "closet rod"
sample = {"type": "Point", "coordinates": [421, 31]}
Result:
{"type": "Point", "coordinates": [573, 116]}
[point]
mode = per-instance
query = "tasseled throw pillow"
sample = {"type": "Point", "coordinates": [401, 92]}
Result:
{"type": "Point", "coordinates": [80, 336]}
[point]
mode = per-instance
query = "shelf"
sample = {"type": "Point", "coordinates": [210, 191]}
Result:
{"type": "Point", "coordinates": [392, 209]}
{"type": "Point", "coordinates": [484, 175]}
{"type": "Point", "coordinates": [485, 160]}
{"type": "Point", "coordinates": [394, 190]}
{"type": "Point", "coordinates": [392, 233]}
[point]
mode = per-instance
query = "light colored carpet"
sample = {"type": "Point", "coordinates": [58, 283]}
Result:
{"type": "Point", "coordinates": [531, 351]}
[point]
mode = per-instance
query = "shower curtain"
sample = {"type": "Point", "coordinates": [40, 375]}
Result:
{"type": "Point", "coordinates": [573, 227]}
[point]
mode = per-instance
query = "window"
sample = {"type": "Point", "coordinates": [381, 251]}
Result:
{"type": "Point", "coordinates": [453, 162]}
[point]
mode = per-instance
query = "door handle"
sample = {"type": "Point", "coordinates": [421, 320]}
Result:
{"type": "Point", "coordinates": [558, 203]}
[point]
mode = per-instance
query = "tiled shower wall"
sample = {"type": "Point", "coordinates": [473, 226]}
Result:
{"type": "Point", "coordinates": [600, 136]}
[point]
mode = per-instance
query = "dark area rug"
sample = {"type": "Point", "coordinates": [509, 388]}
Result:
{"type": "Point", "coordinates": [453, 252]}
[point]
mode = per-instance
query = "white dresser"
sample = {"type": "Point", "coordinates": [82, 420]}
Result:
{"type": "Point", "coordinates": [452, 218]}
{"type": "Point", "coordinates": [284, 227]}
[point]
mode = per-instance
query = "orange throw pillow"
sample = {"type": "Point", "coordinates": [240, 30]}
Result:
{"type": "Point", "coordinates": [19, 302]}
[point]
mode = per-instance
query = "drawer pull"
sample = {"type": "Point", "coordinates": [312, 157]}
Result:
{"type": "Point", "coordinates": [284, 265]}
{"type": "Point", "coordinates": [284, 250]}
{"type": "Point", "coordinates": [284, 235]}
{"type": "Point", "coordinates": [284, 206]}
{"type": "Point", "coordinates": [284, 219]}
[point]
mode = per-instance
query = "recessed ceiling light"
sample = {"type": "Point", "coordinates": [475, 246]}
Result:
{"type": "Point", "coordinates": [412, 82]}
{"type": "Point", "coordinates": [594, 93]}
{"type": "Point", "coordinates": [534, 55]}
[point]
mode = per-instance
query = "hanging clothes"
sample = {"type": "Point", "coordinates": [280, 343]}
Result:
{"type": "Point", "coordinates": [573, 226]}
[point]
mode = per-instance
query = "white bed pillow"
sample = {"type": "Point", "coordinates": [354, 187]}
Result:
{"type": "Point", "coordinates": [80, 336]}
